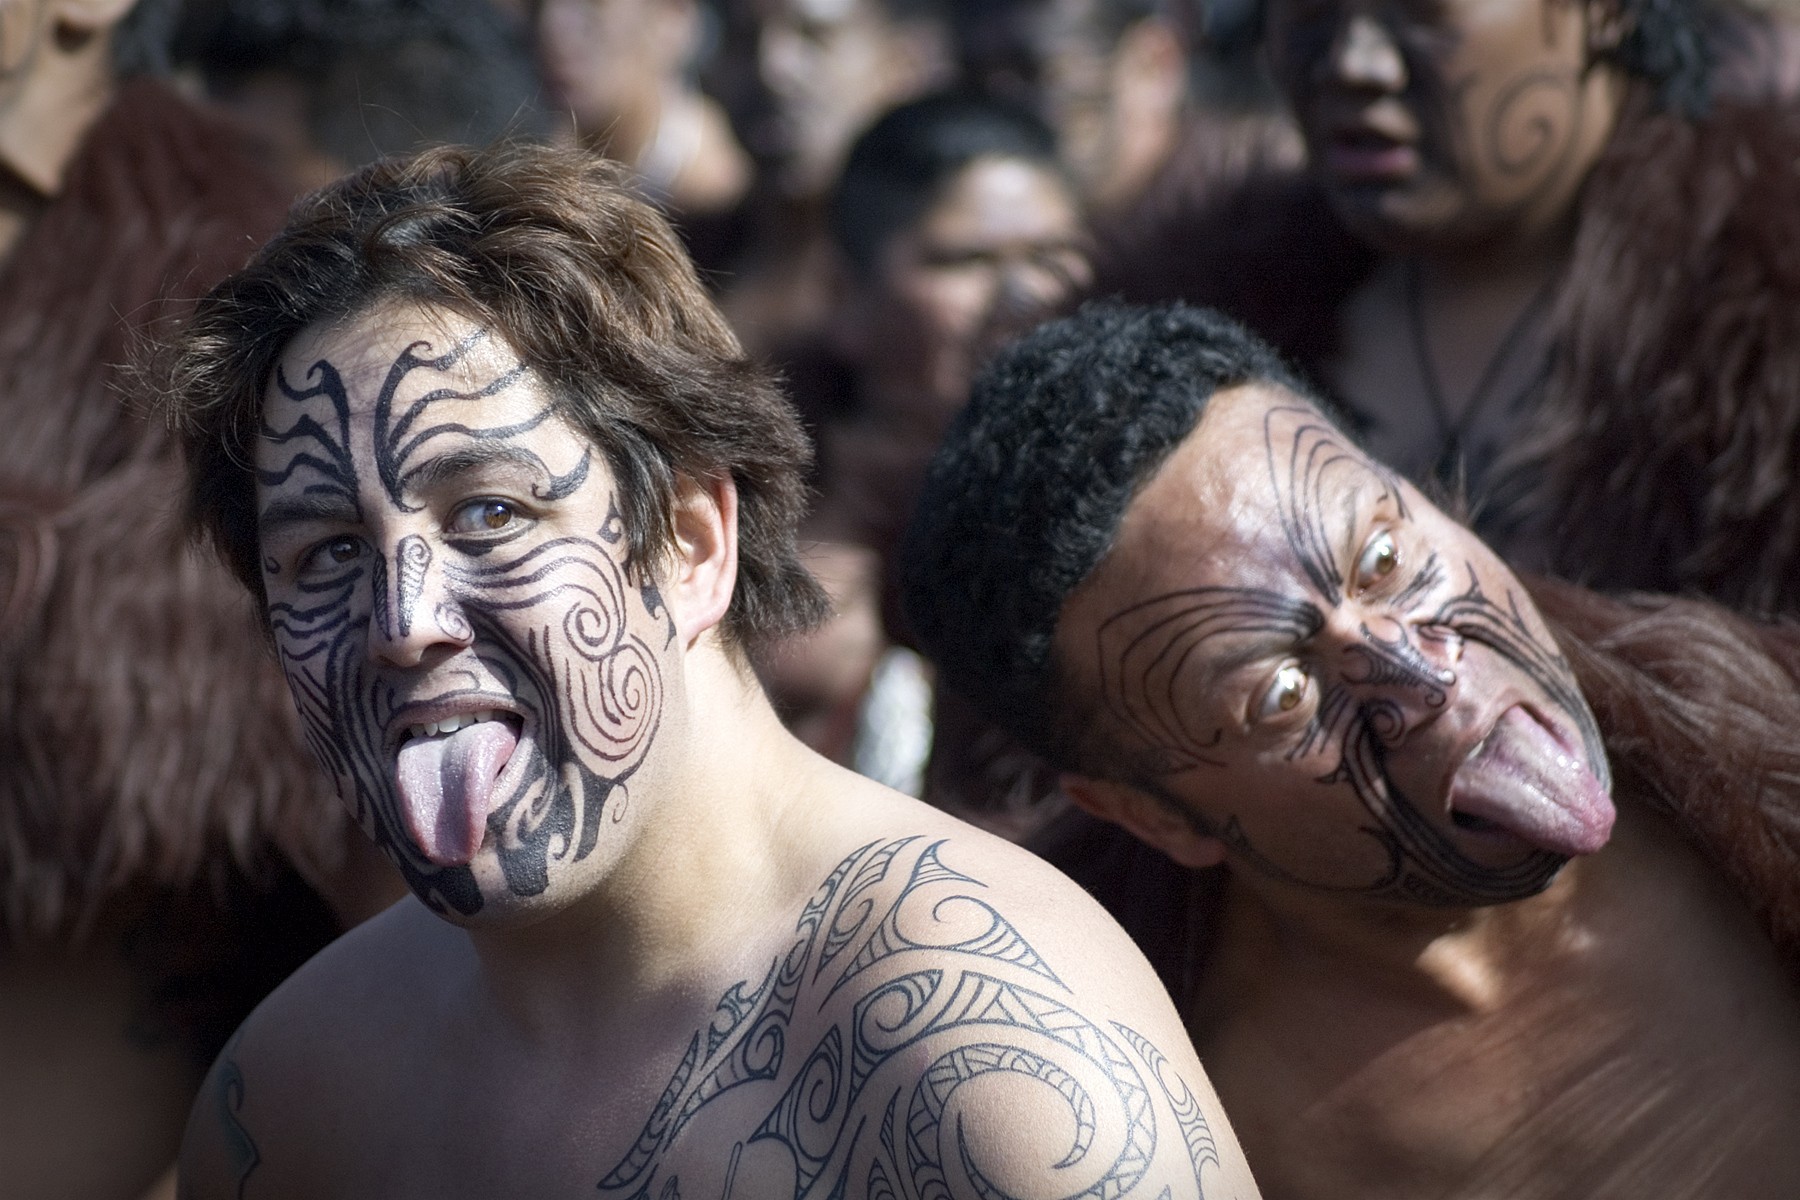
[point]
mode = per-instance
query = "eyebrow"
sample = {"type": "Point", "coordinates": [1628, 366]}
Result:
{"type": "Point", "coordinates": [1351, 510]}
{"type": "Point", "coordinates": [321, 506]}
{"type": "Point", "coordinates": [467, 460]}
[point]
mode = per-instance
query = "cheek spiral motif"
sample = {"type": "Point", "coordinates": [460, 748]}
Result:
{"type": "Point", "coordinates": [552, 624]}
{"type": "Point", "coordinates": [620, 696]}
{"type": "Point", "coordinates": [1532, 125]}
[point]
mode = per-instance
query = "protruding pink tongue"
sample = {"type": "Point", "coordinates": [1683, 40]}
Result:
{"type": "Point", "coordinates": [1524, 781]}
{"type": "Point", "coordinates": [446, 780]}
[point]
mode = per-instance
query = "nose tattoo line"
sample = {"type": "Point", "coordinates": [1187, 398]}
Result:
{"type": "Point", "coordinates": [1398, 661]}
{"type": "Point", "coordinates": [412, 560]}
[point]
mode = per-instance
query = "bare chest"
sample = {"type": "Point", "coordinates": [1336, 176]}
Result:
{"type": "Point", "coordinates": [1607, 1074]}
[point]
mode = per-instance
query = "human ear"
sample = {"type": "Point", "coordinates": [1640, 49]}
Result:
{"type": "Point", "coordinates": [1152, 819]}
{"type": "Point", "coordinates": [91, 16]}
{"type": "Point", "coordinates": [703, 568]}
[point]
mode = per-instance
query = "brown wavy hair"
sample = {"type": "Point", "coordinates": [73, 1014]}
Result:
{"type": "Point", "coordinates": [586, 282]}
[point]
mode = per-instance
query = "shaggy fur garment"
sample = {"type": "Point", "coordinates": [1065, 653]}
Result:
{"type": "Point", "coordinates": [146, 738]}
{"type": "Point", "coordinates": [1668, 439]}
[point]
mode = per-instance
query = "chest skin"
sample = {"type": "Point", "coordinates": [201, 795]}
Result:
{"type": "Point", "coordinates": [1637, 1039]}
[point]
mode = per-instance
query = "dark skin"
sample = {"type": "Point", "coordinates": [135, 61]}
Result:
{"type": "Point", "coordinates": [659, 947]}
{"type": "Point", "coordinates": [1453, 136]}
{"type": "Point", "coordinates": [1444, 968]}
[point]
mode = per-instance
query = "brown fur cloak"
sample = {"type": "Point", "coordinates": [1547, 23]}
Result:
{"type": "Point", "coordinates": [1669, 433]}
{"type": "Point", "coordinates": [145, 735]}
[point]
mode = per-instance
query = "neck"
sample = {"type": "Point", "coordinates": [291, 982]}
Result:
{"type": "Point", "coordinates": [702, 825]}
{"type": "Point", "coordinates": [1457, 958]}
{"type": "Point", "coordinates": [43, 123]}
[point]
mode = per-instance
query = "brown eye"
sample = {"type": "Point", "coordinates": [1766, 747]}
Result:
{"type": "Point", "coordinates": [484, 516]}
{"type": "Point", "coordinates": [1287, 691]}
{"type": "Point", "coordinates": [1378, 560]}
{"type": "Point", "coordinates": [330, 554]}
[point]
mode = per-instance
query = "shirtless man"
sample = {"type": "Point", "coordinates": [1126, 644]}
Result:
{"type": "Point", "coordinates": [1451, 960]}
{"type": "Point", "coordinates": [518, 511]}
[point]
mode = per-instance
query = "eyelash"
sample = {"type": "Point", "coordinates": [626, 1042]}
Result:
{"type": "Point", "coordinates": [516, 515]}
{"type": "Point", "coordinates": [314, 561]}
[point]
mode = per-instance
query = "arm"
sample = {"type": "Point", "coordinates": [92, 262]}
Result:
{"type": "Point", "coordinates": [218, 1153]}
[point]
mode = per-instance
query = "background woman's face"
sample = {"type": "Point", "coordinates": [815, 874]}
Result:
{"type": "Point", "coordinates": [1445, 123]}
{"type": "Point", "coordinates": [1003, 244]}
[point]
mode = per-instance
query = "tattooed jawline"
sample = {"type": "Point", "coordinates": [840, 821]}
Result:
{"type": "Point", "coordinates": [581, 660]}
{"type": "Point", "coordinates": [1144, 650]}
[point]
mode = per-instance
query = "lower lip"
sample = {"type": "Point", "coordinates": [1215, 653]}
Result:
{"type": "Point", "coordinates": [1358, 163]}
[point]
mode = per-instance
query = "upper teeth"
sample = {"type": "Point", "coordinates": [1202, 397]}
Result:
{"type": "Point", "coordinates": [450, 724]}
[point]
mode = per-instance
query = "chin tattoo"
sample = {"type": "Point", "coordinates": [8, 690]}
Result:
{"type": "Point", "coordinates": [1146, 651]}
{"type": "Point", "coordinates": [546, 621]}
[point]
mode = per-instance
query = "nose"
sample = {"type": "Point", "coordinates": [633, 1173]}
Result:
{"type": "Point", "coordinates": [1403, 675]}
{"type": "Point", "coordinates": [412, 614]}
{"type": "Point", "coordinates": [1364, 55]}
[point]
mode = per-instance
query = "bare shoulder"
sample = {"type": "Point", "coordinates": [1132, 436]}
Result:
{"type": "Point", "coordinates": [951, 1017]}
{"type": "Point", "coordinates": [301, 1076]}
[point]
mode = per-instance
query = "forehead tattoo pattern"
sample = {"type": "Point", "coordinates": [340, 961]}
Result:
{"type": "Point", "coordinates": [548, 623]}
{"type": "Point", "coordinates": [1146, 652]}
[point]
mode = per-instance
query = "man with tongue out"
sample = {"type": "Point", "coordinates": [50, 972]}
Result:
{"type": "Point", "coordinates": [519, 512]}
{"type": "Point", "coordinates": [1420, 948]}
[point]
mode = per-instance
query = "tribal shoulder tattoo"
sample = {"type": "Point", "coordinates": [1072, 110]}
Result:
{"type": "Point", "coordinates": [911, 967]}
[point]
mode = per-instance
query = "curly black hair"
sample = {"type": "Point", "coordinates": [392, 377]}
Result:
{"type": "Point", "coordinates": [1027, 492]}
{"type": "Point", "coordinates": [1672, 45]}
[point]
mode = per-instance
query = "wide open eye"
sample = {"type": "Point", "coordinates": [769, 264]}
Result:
{"type": "Point", "coordinates": [1287, 692]}
{"type": "Point", "coordinates": [485, 516]}
{"type": "Point", "coordinates": [1379, 559]}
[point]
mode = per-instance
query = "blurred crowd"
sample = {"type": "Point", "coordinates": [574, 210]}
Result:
{"type": "Point", "coordinates": [1579, 324]}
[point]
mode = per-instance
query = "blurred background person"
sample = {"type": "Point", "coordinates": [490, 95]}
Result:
{"type": "Point", "coordinates": [328, 85]}
{"type": "Point", "coordinates": [801, 79]}
{"type": "Point", "coordinates": [1544, 252]}
{"type": "Point", "coordinates": [168, 851]}
{"type": "Point", "coordinates": [1155, 103]}
{"type": "Point", "coordinates": [955, 228]}
{"type": "Point", "coordinates": [623, 74]}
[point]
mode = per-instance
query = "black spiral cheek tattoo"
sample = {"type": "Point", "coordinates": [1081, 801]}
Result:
{"type": "Point", "coordinates": [1532, 126]}
{"type": "Point", "coordinates": [545, 625]}
{"type": "Point", "coordinates": [555, 626]}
